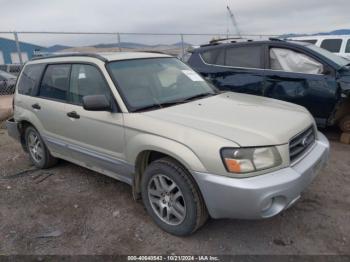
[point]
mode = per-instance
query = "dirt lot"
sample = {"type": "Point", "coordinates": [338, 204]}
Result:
{"type": "Point", "coordinates": [71, 210]}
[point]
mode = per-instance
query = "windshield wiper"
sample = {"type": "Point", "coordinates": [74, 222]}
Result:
{"type": "Point", "coordinates": [149, 107]}
{"type": "Point", "coordinates": [171, 103]}
{"type": "Point", "coordinates": [157, 106]}
{"type": "Point", "coordinates": [185, 100]}
{"type": "Point", "coordinates": [197, 97]}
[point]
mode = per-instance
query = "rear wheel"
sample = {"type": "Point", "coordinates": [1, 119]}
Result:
{"type": "Point", "coordinates": [38, 152]}
{"type": "Point", "coordinates": [344, 124]}
{"type": "Point", "coordinates": [172, 198]}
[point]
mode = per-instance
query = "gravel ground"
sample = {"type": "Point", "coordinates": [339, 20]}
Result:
{"type": "Point", "coordinates": [71, 210]}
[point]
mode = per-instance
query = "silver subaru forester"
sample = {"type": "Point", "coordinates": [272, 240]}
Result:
{"type": "Point", "coordinates": [186, 149]}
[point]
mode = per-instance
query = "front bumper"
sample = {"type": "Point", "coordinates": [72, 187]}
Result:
{"type": "Point", "coordinates": [265, 195]}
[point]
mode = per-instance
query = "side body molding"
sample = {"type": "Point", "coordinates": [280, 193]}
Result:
{"type": "Point", "coordinates": [99, 162]}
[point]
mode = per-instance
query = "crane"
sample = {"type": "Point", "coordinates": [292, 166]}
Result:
{"type": "Point", "coordinates": [234, 22]}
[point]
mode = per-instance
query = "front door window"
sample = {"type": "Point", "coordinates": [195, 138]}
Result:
{"type": "Point", "coordinates": [291, 61]}
{"type": "Point", "coordinates": [86, 80]}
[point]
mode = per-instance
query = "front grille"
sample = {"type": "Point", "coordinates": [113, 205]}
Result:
{"type": "Point", "coordinates": [299, 144]}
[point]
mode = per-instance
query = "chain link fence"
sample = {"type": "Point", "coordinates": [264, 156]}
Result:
{"type": "Point", "coordinates": [13, 69]}
{"type": "Point", "coordinates": [172, 43]}
{"type": "Point", "coordinates": [46, 43]}
{"type": "Point", "coordinates": [7, 88]}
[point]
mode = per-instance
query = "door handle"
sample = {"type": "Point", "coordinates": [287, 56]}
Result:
{"type": "Point", "coordinates": [73, 114]}
{"type": "Point", "coordinates": [36, 106]}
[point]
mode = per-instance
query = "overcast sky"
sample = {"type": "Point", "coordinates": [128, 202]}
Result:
{"type": "Point", "coordinates": [169, 16]}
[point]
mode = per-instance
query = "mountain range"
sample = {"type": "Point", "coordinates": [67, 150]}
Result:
{"type": "Point", "coordinates": [133, 45]}
{"type": "Point", "coordinates": [126, 45]}
{"type": "Point", "coordinates": [335, 32]}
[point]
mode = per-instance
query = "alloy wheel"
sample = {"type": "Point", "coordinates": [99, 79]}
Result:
{"type": "Point", "coordinates": [35, 147]}
{"type": "Point", "coordinates": [166, 199]}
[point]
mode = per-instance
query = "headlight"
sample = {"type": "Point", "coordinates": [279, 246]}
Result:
{"type": "Point", "coordinates": [246, 160]}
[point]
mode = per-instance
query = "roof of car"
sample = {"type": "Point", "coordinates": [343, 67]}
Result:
{"type": "Point", "coordinates": [131, 55]}
{"type": "Point", "coordinates": [251, 42]}
{"type": "Point", "coordinates": [106, 57]}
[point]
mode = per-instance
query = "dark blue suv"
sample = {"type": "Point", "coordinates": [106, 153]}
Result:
{"type": "Point", "coordinates": [297, 72]}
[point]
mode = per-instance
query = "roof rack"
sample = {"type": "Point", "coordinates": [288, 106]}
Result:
{"type": "Point", "coordinates": [93, 55]}
{"type": "Point", "coordinates": [234, 39]}
{"type": "Point", "coordinates": [277, 39]}
{"type": "Point", "coordinates": [230, 39]}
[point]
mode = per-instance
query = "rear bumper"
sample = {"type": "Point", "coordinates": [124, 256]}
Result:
{"type": "Point", "coordinates": [13, 129]}
{"type": "Point", "coordinates": [265, 195]}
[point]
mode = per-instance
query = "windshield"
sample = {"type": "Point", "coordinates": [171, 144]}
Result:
{"type": "Point", "coordinates": [336, 59]}
{"type": "Point", "coordinates": [157, 82]}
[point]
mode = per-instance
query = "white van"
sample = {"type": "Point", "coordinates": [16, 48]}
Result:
{"type": "Point", "coordinates": [338, 44]}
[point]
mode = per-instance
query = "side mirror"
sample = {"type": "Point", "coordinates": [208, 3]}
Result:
{"type": "Point", "coordinates": [327, 70]}
{"type": "Point", "coordinates": [96, 103]}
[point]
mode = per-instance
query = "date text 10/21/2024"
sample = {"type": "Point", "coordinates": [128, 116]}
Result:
{"type": "Point", "coordinates": [173, 258]}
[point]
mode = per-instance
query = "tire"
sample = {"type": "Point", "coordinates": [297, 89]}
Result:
{"type": "Point", "coordinates": [42, 159]}
{"type": "Point", "coordinates": [188, 205]}
{"type": "Point", "coordinates": [344, 124]}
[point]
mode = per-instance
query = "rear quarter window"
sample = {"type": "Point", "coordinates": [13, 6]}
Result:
{"type": "Point", "coordinates": [30, 78]}
{"type": "Point", "coordinates": [214, 56]}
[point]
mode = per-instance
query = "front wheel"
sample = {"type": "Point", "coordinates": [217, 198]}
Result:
{"type": "Point", "coordinates": [172, 198]}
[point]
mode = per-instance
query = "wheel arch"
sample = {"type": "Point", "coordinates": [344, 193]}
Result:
{"type": "Point", "coordinates": [146, 153]}
{"type": "Point", "coordinates": [22, 126]}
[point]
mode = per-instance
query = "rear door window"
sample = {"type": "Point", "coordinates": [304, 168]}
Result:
{"type": "Point", "coordinates": [244, 56]}
{"type": "Point", "coordinates": [86, 80]}
{"type": "Point", "coordinates": [332, 45]}
{"type": "Point", "coordinates": [30, 78]}
{"type": "Point", "coordinates": [55, 82]}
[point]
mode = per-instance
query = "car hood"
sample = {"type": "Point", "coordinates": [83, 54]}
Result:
{"type": "Point", "coordinates": [244, 119]}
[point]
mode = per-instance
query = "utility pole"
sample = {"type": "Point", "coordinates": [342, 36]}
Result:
{"type": "Point", "coordinates": [18, 48]}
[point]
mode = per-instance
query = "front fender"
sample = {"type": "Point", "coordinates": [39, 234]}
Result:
{"type": "Point", "coordinates": [143, 142]}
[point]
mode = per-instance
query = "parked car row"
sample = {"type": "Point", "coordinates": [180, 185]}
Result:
{"type": "Point", "coordinates": [188, 150]}
{"type": "Point", "coordinates": [337, 44]}
{"type": "Point", "coordinates": [297, 72]}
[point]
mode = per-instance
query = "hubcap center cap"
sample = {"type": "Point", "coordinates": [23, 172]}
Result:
{"type": "Point", "coordinates": [167, 199]}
